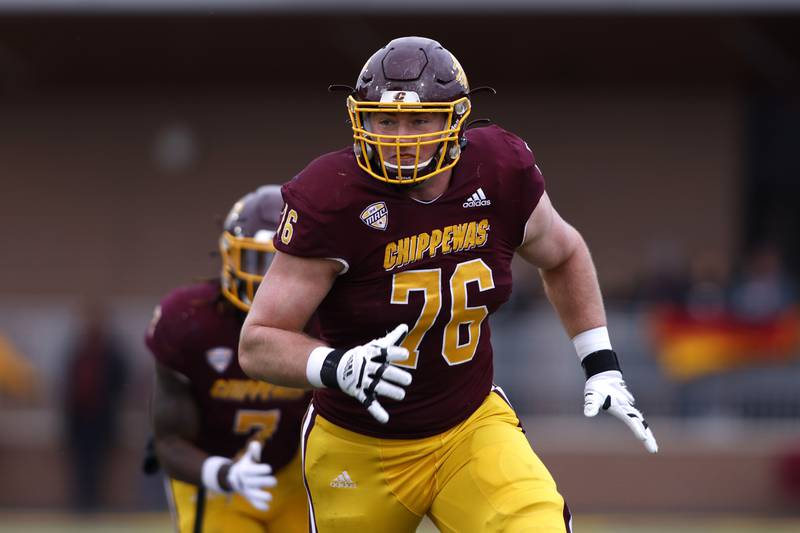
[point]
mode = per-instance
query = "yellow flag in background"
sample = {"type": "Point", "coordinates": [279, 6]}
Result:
{"type": "Point", "coordinates": [18, 378]}
{"type": "Point", "coordinates": [690, 348]}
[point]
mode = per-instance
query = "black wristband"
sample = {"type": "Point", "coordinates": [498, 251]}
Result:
{"type": "Point", "coordinates": [327, 374]}
{"type": "Point", "coordinates": [600, 361]}
{"type": "Point", "coordinates": [222, 477]}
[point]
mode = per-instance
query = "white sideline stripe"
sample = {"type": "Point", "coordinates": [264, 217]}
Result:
{"type": "Point", "coordinates": [502, 393]}
{"type": "Point", "coordinates": [173, 510]}
{"type": "Point", "coordinates": [311, 518]}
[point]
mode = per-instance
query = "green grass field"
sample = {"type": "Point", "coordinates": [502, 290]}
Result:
{"type": "Point", "coordinates": [160, 523]}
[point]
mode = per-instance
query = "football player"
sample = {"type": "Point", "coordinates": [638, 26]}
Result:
{"type": "Point", "coordinates": [411, 231]}
{"type": "Point", "coordinates": [229, 444]}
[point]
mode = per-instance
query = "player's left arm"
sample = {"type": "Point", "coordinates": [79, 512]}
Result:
{"type": "Point", "coordinates": [571, 285]}
{"type": "Point", "coordinates": [566, 267]}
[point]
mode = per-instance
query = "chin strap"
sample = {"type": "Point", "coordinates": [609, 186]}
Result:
{"type": "Point", "coordinates": [392, 172]}
{"type": "Point", "coordinates": [421, 166]}
{"type": "Point", "coordinates": [374, 161]}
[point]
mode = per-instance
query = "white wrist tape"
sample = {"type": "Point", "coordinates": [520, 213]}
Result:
{"type": "Point", "coordinates": [591, 341]}
{"type": "Point", "coordinates": [210, 472]}
{"type": "Point", "coordinates": [314, 365]}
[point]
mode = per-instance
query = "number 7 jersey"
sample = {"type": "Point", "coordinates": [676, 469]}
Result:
{"type": "Point", "coordinates": [442, 267]}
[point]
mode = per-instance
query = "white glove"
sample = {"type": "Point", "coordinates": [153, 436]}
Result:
{"type": "Point", "coordinates": [365, 372]}
{"type": "Point", "coordinates": [607, 390]}
{"type": "Point", "coordinates": [248, 476]}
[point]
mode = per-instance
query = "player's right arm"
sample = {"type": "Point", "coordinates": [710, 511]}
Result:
{"type": "Point", "coordinates": [311, 254]}
{"type": "Point", "coordinates": [273, 348]}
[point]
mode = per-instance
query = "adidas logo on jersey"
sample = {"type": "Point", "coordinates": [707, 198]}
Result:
{"type": "Point", "coordinates": [343, 481]}
{"type": "Point", "coordinates": [478, 199]}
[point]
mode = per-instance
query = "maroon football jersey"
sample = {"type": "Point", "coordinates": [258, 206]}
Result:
{"type": "Point", "coordinates": [195, 333]}
{"type": "Point", "coordinates": [441, 267]}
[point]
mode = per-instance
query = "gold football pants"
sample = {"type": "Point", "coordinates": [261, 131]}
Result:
{"type": "Point", "coordinates": [224, 513]}
{"type": "Point", "coordinates": [479, 476]}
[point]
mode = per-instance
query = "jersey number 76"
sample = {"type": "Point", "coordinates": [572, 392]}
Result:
{"type": "Point", "coordinates": [429, 282]}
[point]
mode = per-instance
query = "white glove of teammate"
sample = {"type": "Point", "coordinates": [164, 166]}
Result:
{"type": "Point", "coordinates": [248, 476]}
{"type": "Point", "coordinates": [364, 372]}
{"type": "Point", "coordinates": [607, 391]}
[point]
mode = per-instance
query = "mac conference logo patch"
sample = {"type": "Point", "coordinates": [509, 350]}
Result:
{"type": "Point", "coordinates": [219, 358]}
{"type": "Point", "coordinates": [376, 216]}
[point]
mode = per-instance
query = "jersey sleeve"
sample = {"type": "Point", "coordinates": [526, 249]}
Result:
{"type": "Point", "coordinates": [309, 225]}
{"type": "Point", "coordinates": [524, 187]}
{"type": "Point", "coordinates": [163, 337]}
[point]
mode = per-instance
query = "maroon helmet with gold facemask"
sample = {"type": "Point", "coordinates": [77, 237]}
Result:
{"type": "Point", "coordinates": [409, 75]}
{"type": "Point", "coordinates": [246, 243]}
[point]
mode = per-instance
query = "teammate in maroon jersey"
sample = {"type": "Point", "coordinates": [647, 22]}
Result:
{"type": "Point", "coordinates": [229, 444]}
{"type": "Point", "coordinates": [417, 225]}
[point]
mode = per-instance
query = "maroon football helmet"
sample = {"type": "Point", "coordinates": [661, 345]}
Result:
{"type": "Point", "coordinates": [409, 75]}
{"type": "Point", "coordinates": [246, 243]}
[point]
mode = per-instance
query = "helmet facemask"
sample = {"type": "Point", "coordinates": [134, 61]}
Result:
{"type": "Point", "coordinates": [370, 147]}
{"type": "Point", "coordinates": [244, 262]}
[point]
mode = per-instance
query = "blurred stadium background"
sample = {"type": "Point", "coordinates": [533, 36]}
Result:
{"type": "Point", "coordinates": [668, 131]}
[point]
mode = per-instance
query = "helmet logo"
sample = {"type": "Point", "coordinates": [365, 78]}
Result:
{"type": "Point", "coordinates": [389, 97]}
{"type": "Point", "coordinates": [461, 78]}
{"type": "Point", "coordinates": [376, 216]}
